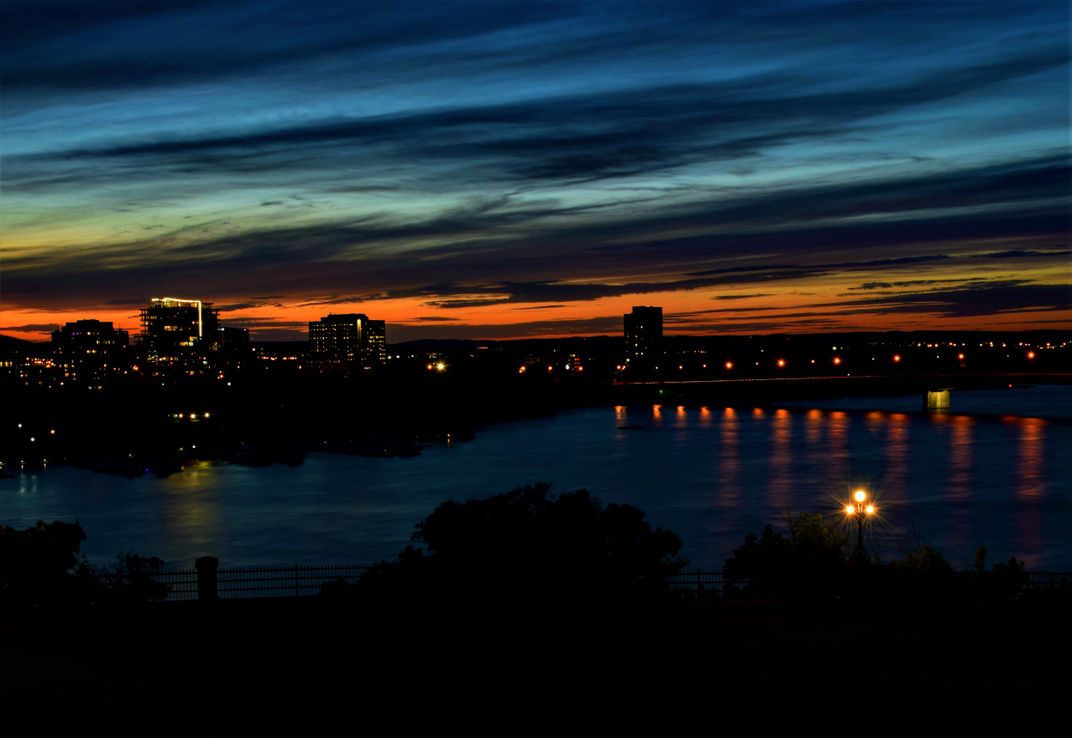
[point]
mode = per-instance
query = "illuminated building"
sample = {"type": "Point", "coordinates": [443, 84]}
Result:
{"type": "Point", "coordinates": [643, 337]}
{"type": "Point", "coordinates": [375, 342]}
{"type": "Point", "coordinates": [350, 339]}
{"type": "Point", "coordinates": [174, 328]}
{"type": "Point", "coordinates": [88, 351]}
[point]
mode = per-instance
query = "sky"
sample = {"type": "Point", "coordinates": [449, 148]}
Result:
{"type": "Point", "coordinates": [524, 169]}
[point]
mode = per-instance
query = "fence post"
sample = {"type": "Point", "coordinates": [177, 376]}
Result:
{"type": "Point", "coordinates": [207, 578]}
{"type": "Point", "coordinates": [297, 593]}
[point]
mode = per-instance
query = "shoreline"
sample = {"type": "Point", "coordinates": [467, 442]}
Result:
{"type": "Point", "coordinates": [411, 444]}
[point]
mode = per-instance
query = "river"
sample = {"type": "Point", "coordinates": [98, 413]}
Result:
{"type": "Point", "coordinates": [996, 471]}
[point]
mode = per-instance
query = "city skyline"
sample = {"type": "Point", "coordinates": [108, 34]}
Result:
{"type": "Point", "coordinates": [507, 171]}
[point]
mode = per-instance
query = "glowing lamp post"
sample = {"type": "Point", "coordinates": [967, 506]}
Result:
{"type": "Point", "coordinates": [860, 508]}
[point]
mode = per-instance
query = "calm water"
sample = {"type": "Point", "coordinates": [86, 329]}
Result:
{"type": "Point", "coordinates": [710, 474]}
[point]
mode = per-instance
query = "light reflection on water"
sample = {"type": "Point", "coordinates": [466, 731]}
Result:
{"type": "Point", "coordinates": [729, 460]}
{"type": "Point", "coordinates": [895, 484]}
{"type": "Point", "coordinates": [709, 474]}
{"type": "Point", "coordinates": [28, 484]}
{"type": "Point", "coordinates": [1032, 481]}
{"type": "Point", "coordinates": [837, 433]}
{"type": "Point", "coordinates": [960, 458]}
{"type": "Point", "coordinates": [781, 459]}
{"type": "Point", "coordinates": [960, 478]}
{"type": "Point", "coordinates": [189, 506]}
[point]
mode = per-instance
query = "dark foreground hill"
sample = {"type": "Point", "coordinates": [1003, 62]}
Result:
{"type": "Point", "coordinates": [693, 656]}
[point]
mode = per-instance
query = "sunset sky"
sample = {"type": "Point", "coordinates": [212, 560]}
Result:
{"type": "Point", "coordinates": [498, 170]}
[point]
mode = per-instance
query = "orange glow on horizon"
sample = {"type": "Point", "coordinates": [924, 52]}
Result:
{"type": "Point", "coordinates": [293, 317]}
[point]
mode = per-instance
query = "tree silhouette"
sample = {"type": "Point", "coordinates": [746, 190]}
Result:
{"type": "Point", "coordinates": [132, 578]}
{"type": "Point", "coordinates": [810, 563]}
{"type": "Point", "coordinates": [37, 564]}
{"type": "Point", "coordinates": [531, 543]}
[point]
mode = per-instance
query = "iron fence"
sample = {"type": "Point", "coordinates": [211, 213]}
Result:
{"type": "Point", "coordinates": [307, 580]}
{"type": "Point", "coordinates": [1048, 580]}
{"type": "Point", "coordinates": [181, 583]}
{"type": "Point", "coordinates": [284, 581]}
{"type": "Point", "coordinates": [710, 582]}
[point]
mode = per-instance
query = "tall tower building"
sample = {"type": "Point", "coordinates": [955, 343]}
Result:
{"type": "Point", "coordinates": [643, 337]}
{"type": "Point", "coordinates": [173, 328]}
{"type": "Point", "coordinates": [350, 339]}
{"type": "Point", "coordinates": [375, 344]}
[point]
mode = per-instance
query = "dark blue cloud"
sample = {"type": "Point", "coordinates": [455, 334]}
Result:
{"type": "Point", "coordinates": [988, 298]}
{"type": "Point", "coordinates": [490, 153]}
{"type": "Point", "coordinates": [65, 45]}
{"type": "Point", "coordinates": [458, 273]}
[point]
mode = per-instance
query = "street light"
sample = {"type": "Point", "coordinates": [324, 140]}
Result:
{"type": "Point", "coordinates": [860, 508]}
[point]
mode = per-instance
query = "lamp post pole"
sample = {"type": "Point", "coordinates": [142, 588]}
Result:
{"type": "Point", "coordinates": [860, 508]}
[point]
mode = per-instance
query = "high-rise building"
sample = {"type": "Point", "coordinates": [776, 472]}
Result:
{"type": "Point", "coordinates": [232, 340]}
{"type": "Point", "coordinates": [349, 339]}
{"type": "Point", "coordinates": [643, 337]}
{"type": "Point", "coordinates": [375, 347]}
{"type": "Point", "coordinates": [174, 328]}
{"type": "Point", "coordinates": [88, 352]}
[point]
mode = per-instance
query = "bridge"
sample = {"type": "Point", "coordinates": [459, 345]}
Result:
{"type": "Point", "coordinates": [759, 388]}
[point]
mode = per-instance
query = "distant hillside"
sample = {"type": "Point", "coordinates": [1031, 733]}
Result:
{"type": "Point", "coordinates": [10, 346]}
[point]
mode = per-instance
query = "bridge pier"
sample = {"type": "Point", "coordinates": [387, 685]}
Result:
{"type": "Point", "coordinates": [936, 400]}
